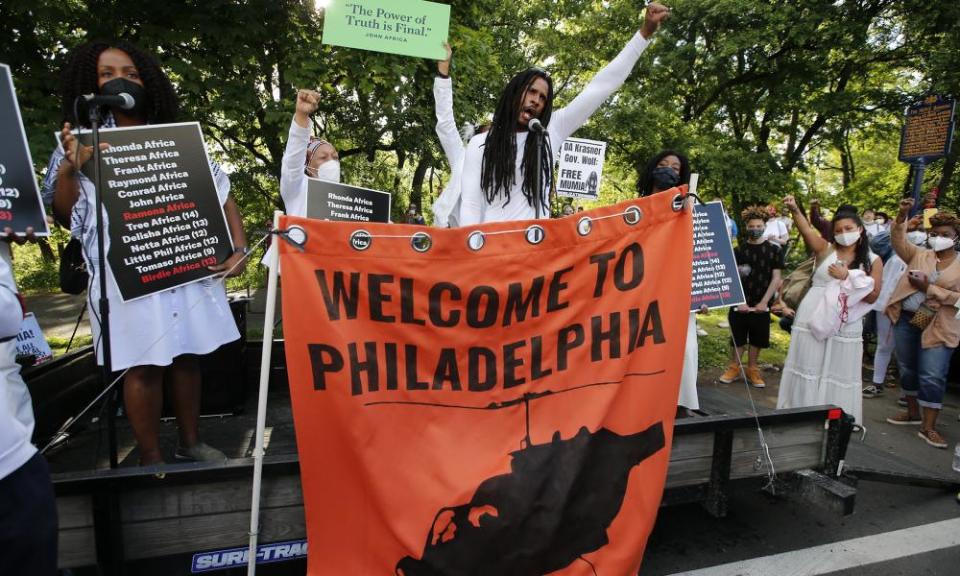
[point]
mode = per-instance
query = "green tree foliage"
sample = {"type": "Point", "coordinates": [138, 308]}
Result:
{"type": "Point", "coordinates": [767, 97]}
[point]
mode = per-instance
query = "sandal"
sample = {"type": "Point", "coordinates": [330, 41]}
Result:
{"type": "Point", "coordinates": [904, 419]}
{"type": "Point", "coordinates": [873, 391]}
{"type": "Point", "coordinates": [933, 438]}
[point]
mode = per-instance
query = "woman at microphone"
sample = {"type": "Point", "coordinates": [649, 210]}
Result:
{"type": "Point", "coordinates": [163, 333]}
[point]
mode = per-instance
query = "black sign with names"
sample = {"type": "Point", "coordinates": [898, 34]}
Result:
{"type": "Point", "coordinates": [166, 222]}
{"type": "Point", "coordinates": [20, 203]}
{"type": "Point", "coordinates": [716, 280]}
{"type": "Point", "coordinates": [333, 201]}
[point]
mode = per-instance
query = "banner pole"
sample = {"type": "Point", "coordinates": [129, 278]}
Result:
{"type": "Point", "coordinates": [265, 355]}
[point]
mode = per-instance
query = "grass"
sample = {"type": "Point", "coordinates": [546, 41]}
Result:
{"type": "Point", "coordinates": [59, 344]}
{"type": "Point", "coordinates": [715, 347]}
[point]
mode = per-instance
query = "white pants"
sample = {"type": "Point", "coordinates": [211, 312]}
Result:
{"type": "Point", "coordinates": [885, 344]}
{"type": "Point", "coordinates": [688, 381]}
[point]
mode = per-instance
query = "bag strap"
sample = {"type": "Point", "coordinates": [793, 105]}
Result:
{"type": "Point", "coordinates": [817, 260]}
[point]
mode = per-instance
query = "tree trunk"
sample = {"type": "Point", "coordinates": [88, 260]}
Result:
{"type": "Point", "coordinates": [949, 166]}
{"type": "Point", "coordinates": [401, 161]}
{"type": "Point", "coordinates": [416, 193]}
{"type": "Point", "coordinates": [46, 251]}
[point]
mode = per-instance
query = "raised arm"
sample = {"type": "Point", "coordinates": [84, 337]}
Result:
{"type": "Point", "coordinates": [443, 100]}
{"type": "Point", "coordinates": [898, 233]}
{"type": "Point", "coordinates": [565, 122]}
{"type": "Point", "coordinates": [294, 156]}
{"type": "Point", "coordinates": [810, 236]}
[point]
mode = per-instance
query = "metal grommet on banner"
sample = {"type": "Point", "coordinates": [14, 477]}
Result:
{"type": "Point", "coordinates": [535, 234]}
{"type": "Point", "coordinates": [584, 226]}
{"type": "Point", "coordinates": [476, 240]}
{"type": "Point", "coordinates": [361, 240]}
{"type": "Point", "coordinates": [678, 201]}
{"type": "Point", "coordinates": [296, 236]}
{"type": "Point", "coordinates": [421, 242]}
{"type": "Point", "coordinates": [632, 215]}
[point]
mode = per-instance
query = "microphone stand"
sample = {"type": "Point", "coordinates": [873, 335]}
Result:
{"type": "Point", "coordinates": [103, 302]}
{"type": "Point", "coordinates": [539, 134]}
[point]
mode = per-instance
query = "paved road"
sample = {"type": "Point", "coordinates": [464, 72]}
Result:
{"type": "Point", "coordinates": [897, 521]}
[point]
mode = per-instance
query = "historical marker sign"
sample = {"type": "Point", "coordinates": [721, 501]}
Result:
{"type": "Point", "coordinates": [928, 130]}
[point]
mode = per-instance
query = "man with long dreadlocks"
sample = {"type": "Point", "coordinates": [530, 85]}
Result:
{"type": "Point", "coordinates": [506, 162]}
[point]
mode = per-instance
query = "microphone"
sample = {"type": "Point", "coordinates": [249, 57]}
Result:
{"type": "Point", "coordinates": [122, 100]}
{"type": "Point", "coordinates": [534, 125]}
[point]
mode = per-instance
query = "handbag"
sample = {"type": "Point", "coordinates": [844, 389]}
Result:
{"type": "Point", "coordinates": [73, 269]}
{"type": "Point", "coordinates": [796, 285]}
{"type": "Point", "coordinates": [923, 317]}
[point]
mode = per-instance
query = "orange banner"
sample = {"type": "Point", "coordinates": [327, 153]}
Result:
{"type": "Point", "coordinates": [498, 403]}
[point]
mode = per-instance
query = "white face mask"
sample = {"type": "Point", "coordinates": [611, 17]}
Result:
{"type": "Point", "coordinates": [847, 238]}
{"type": "Point", "coordinates": [940, 243]}
{"type": "Point", "coordinates": [329, 171]}
{"type": "Point", "coordinates": [917, 237]}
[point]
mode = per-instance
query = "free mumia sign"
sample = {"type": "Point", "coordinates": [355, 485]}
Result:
{"type": "Point", "coordinates": [166, 220]}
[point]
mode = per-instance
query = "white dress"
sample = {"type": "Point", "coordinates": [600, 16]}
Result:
{"type": "Point", "coordinates": [823, 372]}
{"type": "Point", "coordinates": [191, 319]}
{"type": "Point", "coordinates": [691, 360]}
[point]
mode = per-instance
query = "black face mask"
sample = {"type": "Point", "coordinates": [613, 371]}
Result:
{"type": "Point", "coordinates": [120, 85]}
{"type": "Point", "coordinates": [664, 178]}
{"type": "Point", "coordinates": [755, 234]}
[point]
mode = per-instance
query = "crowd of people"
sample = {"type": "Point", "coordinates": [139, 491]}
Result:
{"type": "Point", "coordinates": [896, 280]}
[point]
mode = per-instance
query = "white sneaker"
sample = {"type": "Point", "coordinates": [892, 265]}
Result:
{"type": "Point", "coordinates": [702, 332]}
{"type": "Point", "coordinates": [200, 452]}
{"type": "Point", "coordinates": [723, 324]}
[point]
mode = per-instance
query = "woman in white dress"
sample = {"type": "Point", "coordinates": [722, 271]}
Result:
{"type": "Point", "coordinates": [828, 371]}
{"type": "Point", "coordinates": [164, 332]}
{"type": "Point", "coordinates": [664, 171]}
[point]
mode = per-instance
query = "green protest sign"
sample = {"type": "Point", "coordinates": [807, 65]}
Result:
{"type": "Point", "coordinates": [411, 27]}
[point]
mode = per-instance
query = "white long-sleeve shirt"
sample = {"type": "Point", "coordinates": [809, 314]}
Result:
{"type": "Point", "coordinates": [293, 181]}
{"type": "Point", "coordinates": [474, 208]}
{"type": "Point", "coordinates": [446, 210]}
{"type": "Point", "coordinates": [16, 410]}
